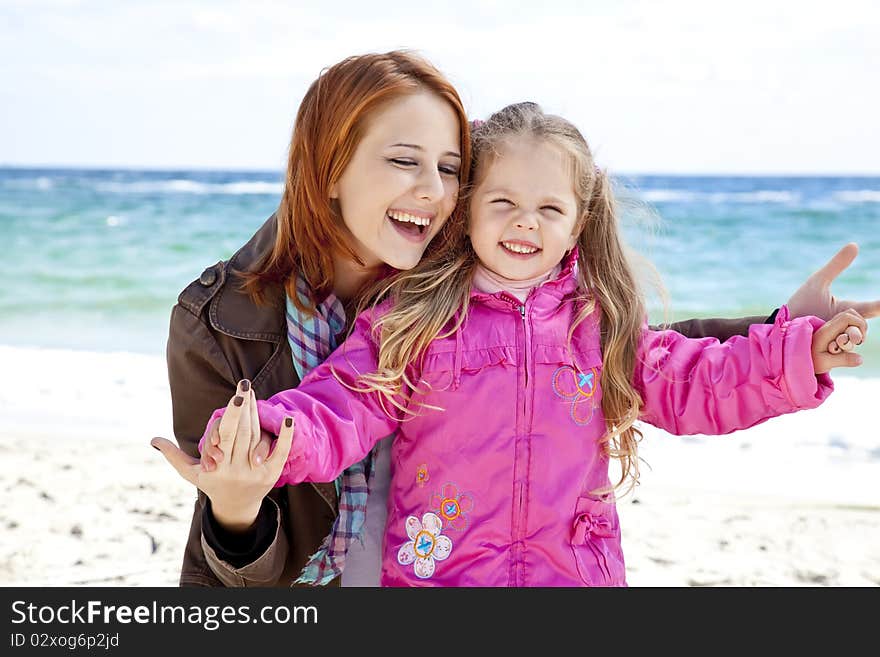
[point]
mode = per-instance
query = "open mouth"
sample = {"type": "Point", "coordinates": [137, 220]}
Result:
{"type": "Point", "coordinates": [408, 224]}
{"type": "Point", "coordinates": [520, 249]}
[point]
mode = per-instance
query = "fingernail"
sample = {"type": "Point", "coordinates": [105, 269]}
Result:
{"type": "Point", "coordinates": [846, 338]}
{"type": "Point", "coordinates": [858, 359]}
{"type": "Point", "coordinates": [258, 459]}
{"type": "Point", "coordinates": [245, 385]}
{"type": "Point", "coordinates": [238, 401]}
{"type": "Point", "coordinates": [288, 422]}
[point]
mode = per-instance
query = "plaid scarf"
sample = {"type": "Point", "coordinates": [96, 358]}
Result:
{"type": "Point", "coordinates": [312, 339]}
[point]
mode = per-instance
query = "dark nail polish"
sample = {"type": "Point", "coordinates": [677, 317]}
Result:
{"type": "Point", "coordinates": [288, 422]}
{"type": "Point", "coordinates": [245, 385]}
{"type": "Point", "coordinates": [156, 448]}
{"type": "Point", "coordinates": [238, 401]}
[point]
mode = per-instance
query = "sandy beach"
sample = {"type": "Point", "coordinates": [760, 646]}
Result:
{"type": "Point", "coordinates": [87, 502]}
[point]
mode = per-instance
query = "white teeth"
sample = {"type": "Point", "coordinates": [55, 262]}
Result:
{"type": "Point", "coordinates": [519, 248]}
{"type": "Point", "coordinates": [403, 216]}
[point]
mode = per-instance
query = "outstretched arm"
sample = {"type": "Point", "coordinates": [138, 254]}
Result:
{"type": "Point", "coordinates": [703, 386]}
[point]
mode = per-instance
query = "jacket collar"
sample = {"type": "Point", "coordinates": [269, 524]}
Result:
{"type": "Point", "coordinates": [547, 295]}
{"type": "Point", "coordinates": [232, 311]}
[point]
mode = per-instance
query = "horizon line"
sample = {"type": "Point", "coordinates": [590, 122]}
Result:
{"type": "Point", "coordinates": [615, 173]}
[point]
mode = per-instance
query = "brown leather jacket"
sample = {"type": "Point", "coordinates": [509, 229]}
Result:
{"type": "Point", "coordinates": [218, 336]}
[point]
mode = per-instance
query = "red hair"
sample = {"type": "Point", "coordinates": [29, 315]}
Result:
{"type": "Point", "coordinates": [329, 126]}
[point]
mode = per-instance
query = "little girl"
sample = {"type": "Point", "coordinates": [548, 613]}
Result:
{"type": "Point", "coordinates": [513, 364]}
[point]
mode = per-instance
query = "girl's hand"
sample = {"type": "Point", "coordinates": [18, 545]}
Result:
{"type": "Point", "coordinates": [814, 296]}
{"type": "Point", "coordinates": [847, 327]}
{"type": "Point", "coordinates": [237, 485]}
{"type": "Point", "coordinates": [212, 454]}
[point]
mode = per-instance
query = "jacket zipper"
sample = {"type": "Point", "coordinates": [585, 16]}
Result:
{"type": "Point", "coordinates": [522, 313]}
{"type": "Point", "coordinates": [523, 471]}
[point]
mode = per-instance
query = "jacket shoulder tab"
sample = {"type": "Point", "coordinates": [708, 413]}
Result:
{"type": "Point", "coordinates": [198, 293]}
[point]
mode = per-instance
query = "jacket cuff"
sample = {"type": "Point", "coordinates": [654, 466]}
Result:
{"type": "Point", "coordinates": [264, 570]}
{"type": "Point", "coordinates": [802, 386]}
{"type": "Point", "coordinates": [240, 548]}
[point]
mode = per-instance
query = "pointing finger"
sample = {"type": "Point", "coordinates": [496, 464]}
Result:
{"type": "Point", "coordinates": [839, 262]}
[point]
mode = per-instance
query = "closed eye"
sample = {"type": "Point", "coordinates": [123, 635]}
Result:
{"type": "Point", "coordinates": [552, 207]}
{"type": "Point", "coordinates": [446, 170]}
{"type": "Point", "coordinates": [502, 200]}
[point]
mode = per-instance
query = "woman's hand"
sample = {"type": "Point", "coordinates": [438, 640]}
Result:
{"type": "Point", "coordinates": [814, 296]}
{"type": "Point", "coordinates": [212, 455]}
{"type": "Point", "coordinates": [236, 485]}
{"type": "Point", "coordinates": [848, 327]}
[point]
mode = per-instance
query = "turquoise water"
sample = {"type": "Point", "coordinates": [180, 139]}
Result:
{"type": "Point", "coordinates": [97, 258]}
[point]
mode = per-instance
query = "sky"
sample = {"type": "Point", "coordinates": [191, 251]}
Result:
{"type": "Point", "coordinates": [678, 86]}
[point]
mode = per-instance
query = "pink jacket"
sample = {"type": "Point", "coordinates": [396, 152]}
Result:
{"type": "Point", "coordinates": [495, 490]}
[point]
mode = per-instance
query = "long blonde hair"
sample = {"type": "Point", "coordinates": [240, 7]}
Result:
{"type": "Point", "coordinates": [431, 300]}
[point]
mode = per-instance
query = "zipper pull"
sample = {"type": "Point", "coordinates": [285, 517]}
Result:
{"type": "Point", "coordinates": [522, 311]}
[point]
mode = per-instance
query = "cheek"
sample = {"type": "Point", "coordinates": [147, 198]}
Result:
{"type": "Point", "coordinates": [450, 195]}
{"type": "Point", "coordinates": [481, 231]}
{"type": "Point", "coordinates": [380, 185]}
{"type": "Point", "coordinates": [566, 234]}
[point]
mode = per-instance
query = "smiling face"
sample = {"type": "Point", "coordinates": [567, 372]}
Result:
{"type": "Point", "coordinates": [401, 184]}
{"type": "Point", "coordinates": [524, 209]}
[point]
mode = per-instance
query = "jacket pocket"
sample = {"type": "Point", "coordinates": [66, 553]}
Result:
{"type": "Point", "coordinates": [595, 543]}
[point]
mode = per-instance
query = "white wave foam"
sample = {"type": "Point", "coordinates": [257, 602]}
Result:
{"type": "Point", "coordinates": [765, 196]}
{"type": "Point", "coordinates": [858, 196]}
{"type": "Point", "coordinates": [681, 196]}
{"type": "Point", "coordinates": [184, 186]}
{"type": "Point", "coordinates": [666, 195]}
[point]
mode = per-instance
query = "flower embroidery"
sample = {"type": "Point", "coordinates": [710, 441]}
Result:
{"type": "Point", "coordinates": [453, 506]}
{"type": "Point", "coordinates": [426, 545]}
{"type": "Point", "coordinates": [579, 388]}
{"type": "Point", "coordinates": [422, 475]}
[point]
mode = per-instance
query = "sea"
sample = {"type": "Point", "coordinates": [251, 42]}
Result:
{"type": "Point", "coordinates": [96, 258]}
